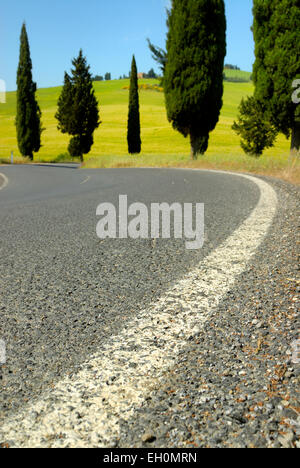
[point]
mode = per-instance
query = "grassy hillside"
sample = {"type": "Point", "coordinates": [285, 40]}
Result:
{"type": "Point", "coordinates": [237, 75]}
{"type": "Point", "coordinates": [160, 143]}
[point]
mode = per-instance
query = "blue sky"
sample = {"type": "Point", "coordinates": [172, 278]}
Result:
{"type": "Point", "coordinates": [108, 31]}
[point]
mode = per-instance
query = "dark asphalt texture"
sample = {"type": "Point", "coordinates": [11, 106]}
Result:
{"type": "Point", "coordinates": [62, 290]}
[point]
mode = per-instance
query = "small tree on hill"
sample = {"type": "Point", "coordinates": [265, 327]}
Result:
{"type": "Point", "coordinates": [134, 127]}
{"type": "Point", "coordinates": [256, 133]}
{"type": "Point", "coordinates": [151, 74]}
{"type": "Point", "coordinates": [193, 79]}
{"type": "Point", "coordinates": [77, 112]}
{"type": "Point", "coordinates": [28, 116]}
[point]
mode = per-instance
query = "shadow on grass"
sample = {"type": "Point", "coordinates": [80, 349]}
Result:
{"type": "Point", "coordinates": [63, 158]}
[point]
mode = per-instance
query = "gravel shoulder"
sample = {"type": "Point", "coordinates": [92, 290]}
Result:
{"type": "Point", "coordinates": [237, 383]}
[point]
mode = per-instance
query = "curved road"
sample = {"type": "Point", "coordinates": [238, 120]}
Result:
{"type": "Point", "coordinates": [64, 292]}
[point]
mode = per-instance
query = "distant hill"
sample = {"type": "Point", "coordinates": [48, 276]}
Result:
{"type": "Point", "coordinates": [158, 136]}
{"type": "Point", "coordinates": [237, 76]}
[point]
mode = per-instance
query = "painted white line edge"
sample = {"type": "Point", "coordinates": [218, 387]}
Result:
{"type": "Point", "coordinates": [85, 180]}
{"type": "Point", "coordinates": [5, 181]}
{"type": "Point", "coordinates": [116, 380]}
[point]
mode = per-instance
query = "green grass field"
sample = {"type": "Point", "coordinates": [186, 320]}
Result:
{"type": "Point", "coordinates": [161, 145]}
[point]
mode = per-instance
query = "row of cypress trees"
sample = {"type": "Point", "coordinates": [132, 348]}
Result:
{"type": "Point", "coordinates": [193, 62]}
{"type": "Point", "coordinates": [77, 114]}
{"type": "Point", "coordinates": [193, 82]}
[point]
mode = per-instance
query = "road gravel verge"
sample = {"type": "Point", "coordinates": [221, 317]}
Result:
{"type": "Point", "coordinates": [236, 383]}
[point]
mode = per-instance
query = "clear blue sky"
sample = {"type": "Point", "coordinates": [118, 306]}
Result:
{"type": "Point", "coordinates": [108, 31]}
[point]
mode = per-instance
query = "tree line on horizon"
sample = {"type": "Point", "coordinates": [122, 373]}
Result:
{"type": "Point", "coordinates": [107, 77]}
{"type": "Point", "coordinates": [192, 76]}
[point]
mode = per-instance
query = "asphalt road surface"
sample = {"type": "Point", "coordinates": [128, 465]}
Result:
{"type": "Point", "coordinates": [64, 292]}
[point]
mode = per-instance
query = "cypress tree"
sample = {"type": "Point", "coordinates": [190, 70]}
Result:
{"type": "Point", "coordinates": [65, 103]}
{"type": "Point", "coordinates": [28, 116]}
{"type": "Point", "coordinates": [159, 55]}
{"type": "Point", "coordinates": [77, 112]}
{"type": "Point", "coordinates": [134, 127]}
{"type": "Point", "coordinates": [193, 79]}
{"type": "Point", "coordinates": [277, 51]}
{"type": "Point", "coordinates": [256, 133]}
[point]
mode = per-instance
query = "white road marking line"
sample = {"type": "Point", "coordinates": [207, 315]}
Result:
{"type": "Point", "coordinates": [117, 379]}
{"type": "Point", "coordinates": [85, 180]}
{"type": "Point", "coordinates": [5, 181]}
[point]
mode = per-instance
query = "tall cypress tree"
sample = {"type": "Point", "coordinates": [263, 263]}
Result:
{"type": "Point", "coordinates": [277, 51]}
{"type": "Point", "coordinates": [193, 80]}
{"type": "Point", "coordinates": [134, 126]}
{"type": "Point", "coordinates": [28, 117]}
{"type": "Point", "coordinates": [77, 112]}
{"type": "Point", "coordinates": [65, 103]}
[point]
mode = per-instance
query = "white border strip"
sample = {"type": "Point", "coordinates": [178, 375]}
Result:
{"type": "Point", "coordinates": [117, 379]}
